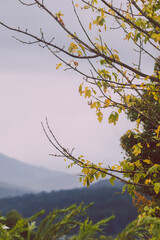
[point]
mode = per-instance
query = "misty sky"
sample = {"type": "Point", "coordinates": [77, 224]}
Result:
{"type": "Point", "coordinates": [31, 88]}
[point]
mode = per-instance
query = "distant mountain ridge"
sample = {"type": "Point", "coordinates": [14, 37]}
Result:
{"type": "Point", "coordinates": [33, 178]}
{"type": "Point", "coordinates": [107, 199]}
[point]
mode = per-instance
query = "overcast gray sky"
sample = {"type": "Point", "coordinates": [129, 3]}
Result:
{"type": "Point", "coordinates": [31, 88]}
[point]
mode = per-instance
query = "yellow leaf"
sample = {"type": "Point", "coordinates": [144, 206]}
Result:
{"type": "Point", "coordinates": [119, 110]}
{"type": "Point", "coordinates": [72, 48]}
{"type": "Point", "coordinates": [70, 36]}
{"type": "Point", "coordinates": [142, 86]}
{"type": "Point", "coordinates": [58, 65]}
{"type": "Point", "coordinates": [87, 93]}
{"type": "Point", "coordinates": [87, 161]}
{"type": "Point", "coordinates": [138, 122]}
{"type": "Point", "coordinates": [118, 167]}
{"type": "Point", "coordinates": [75, 63]}
{"type": "Point", "coordinates": [157, 131]}
{"type": "Point", "coordinates": [128, 36]}
{"type": "Point", "coordinates": [146, 78]}
{"type": "Point", "coordinates": [128, 98]}
{"type": "Point", "coordinates": [156, 37]}
{"type": "Point", "coordinates": [147, 161]}
{"type": "Point", "coordinates": [84, 181]}
{"type": "Point", "coordinates": [107, 103]}
{"type": "Point", "coordinates": [128, 16]}
{"type": "Point", "coordinates": [79, 53]}
{"type": "Point", "coordinates": [137, 149]}
{"type": "Point", "coordinates": [100, 116]}
{"type": "Point", "coordinates": [100, 119]}
{"type": "Point", "coordinates": [115, 56]}
{"type": "Point", "coordinates": [111, 11]}
{"type": "Point", "coordinates": [147, 181]}
{"type": "Point", "coordinates": [129, 133]}
{"type": "Point", "coordinates": [133, 86]}
{"type": "Point", "coordinates": [93, 105]}
{"type": "Point", "coordinates": [90, 26]}
{"type": "Point", "coordinates": [125, 72]}
{"type": "Point", "coordinates": [115, 50]}
{"type": "Point", "coordinates": [123, 25]}
{"type": "Point", "coordinates": [105, 89]}
{"type": "Point", "coordinates": [155, 97]}
{"type": "Point", "coordinates": [158, 144]}
{"type": "Point", "coordinates": [80, 89]}
{"type": "Point", "coordinates": [82, 47]}
{"type": "Point", "coordinates": [148, 145]}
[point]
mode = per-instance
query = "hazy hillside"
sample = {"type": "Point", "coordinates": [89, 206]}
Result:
{"type": "Point", "coordinates": [10, 190]}
{"type": "Point", "coordinates": [107, 199]}
{"type": "Point", "coordinates": [34, 178]}
{"type": "Point", "coordinates": [106, 184]}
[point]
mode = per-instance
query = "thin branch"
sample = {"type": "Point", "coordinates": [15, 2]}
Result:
{"type": "Point", "coordinates": [154, 23]}
{"type": "Point", "coordinates": [83, 26]}
{"type": "Point", "coordinates": [78, 162]}
{"type": "Point", "coordinates": [93, 50]}
{"type": "Point", "coordinates": [129, 22]}
{"type": "Point", "coordinates": [27, 4]}
{"type": "Point", "coordinates": [97, 54]}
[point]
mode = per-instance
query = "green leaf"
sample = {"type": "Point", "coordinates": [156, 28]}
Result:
{"type": "Point", "coordinates": [113, 118]}
{"type": "Point", "coordinates": [136, 177]}
{"type": "Point", "coordinates": [157, 187]}
{"type": "Point", "coordinates": [137, 36]}
{"type": "Point", "coordinates": [137, 149]}
{"type": "Point", "coordinates": [80, 88]}
{"type": "Point", "coordinates": [154, 168]}
{"type": "Point", "coordinates": [112, 179]}
{"type": "Point", "coordinates": [102, 61]}
{"type": "Point", "coordinates": [124, 188]}
{"type": "Point", "coordinates": [103, 175]}
{"type": "Point", "coordinates": [88, 183]}
{"type": "Point", "coordinates": [86, 7]}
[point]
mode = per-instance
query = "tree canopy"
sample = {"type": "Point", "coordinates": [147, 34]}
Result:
{"type": "Point", "coordinates": [111, 82]}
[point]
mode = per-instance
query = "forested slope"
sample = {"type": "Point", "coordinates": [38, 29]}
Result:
{"type": "Point", "coordinates": [107, 199]}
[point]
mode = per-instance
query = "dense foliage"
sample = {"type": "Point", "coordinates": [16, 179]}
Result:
{"type": "Point", "coordinates": [118, 84]}
{"type": "Point", "coordinates": [59, 223]}
{"type": "Point", "coordinates": [148, 155]}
